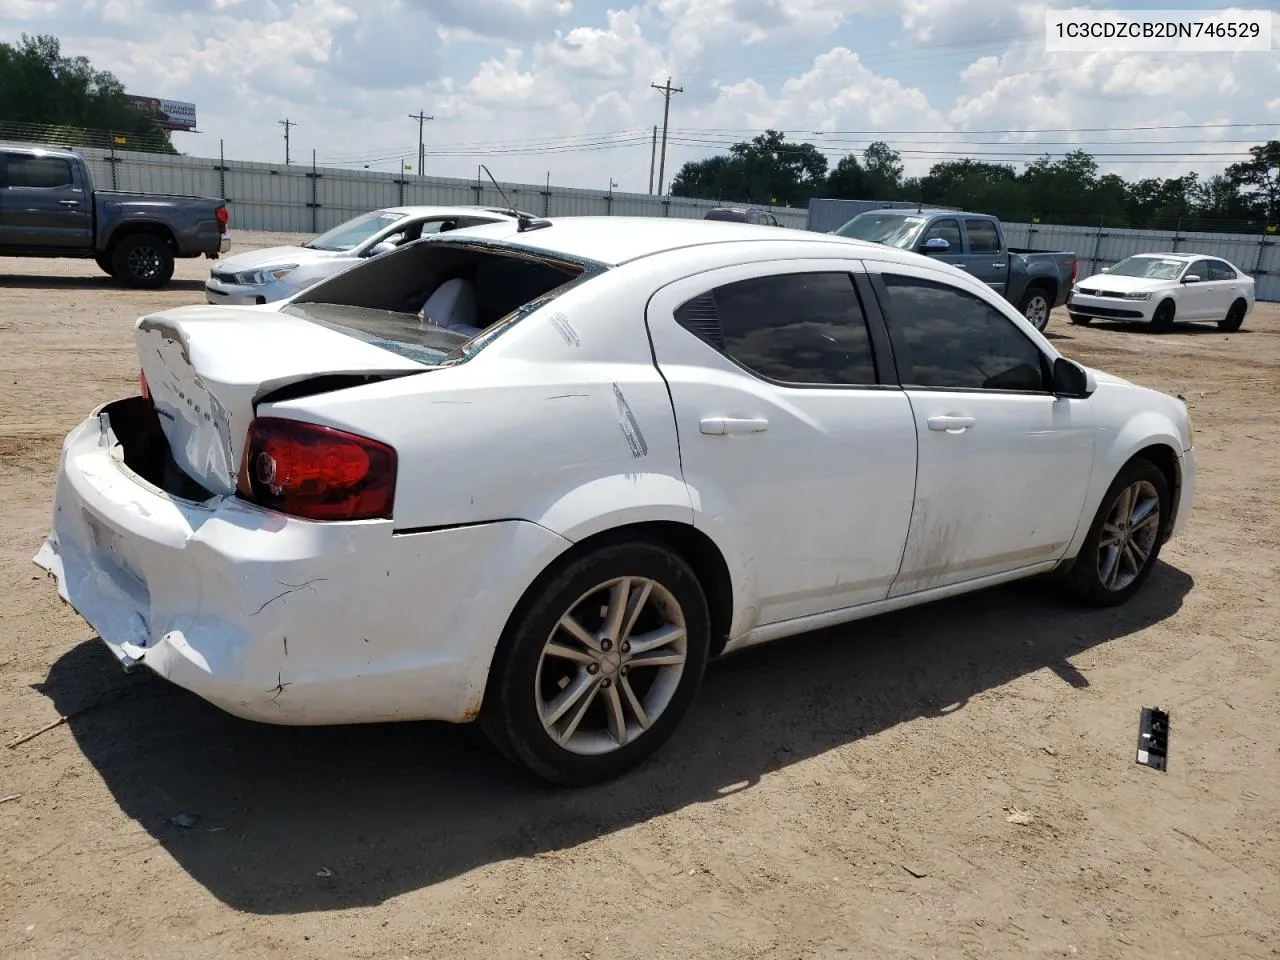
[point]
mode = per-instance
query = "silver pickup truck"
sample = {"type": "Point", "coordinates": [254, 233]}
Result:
{"type": "Point", "coordinates": [1033, 281]}
{"type": "Point", "coordinates": [48, 208]}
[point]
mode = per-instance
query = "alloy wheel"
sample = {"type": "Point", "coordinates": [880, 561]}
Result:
{"type": "Point", "coordinates": [1128, 535]}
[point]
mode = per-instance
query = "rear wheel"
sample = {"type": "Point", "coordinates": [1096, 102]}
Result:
{"type": "Point", "coordinates": [1162, 319]}
{"type": "Point", "coordinates": [1234, 318]}
{"type": "Point", "coordinates": [1124, 541]}
{"type": "Point", "coordinates": [597, 669]}
{"type": "Point", "coordinates": [142, 260]}
{"type": "Point", "coordinates": [1080, 320]}
{"type": "Point", "coordinates": [1035, 307]}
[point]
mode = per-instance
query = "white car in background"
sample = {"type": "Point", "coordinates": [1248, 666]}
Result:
{"type": "Point", "coordinates": [277, 273]}
{"type": "Point", "coordinates": [1165, 288]}
{"type": "Point", "coordinates": [670, 440]}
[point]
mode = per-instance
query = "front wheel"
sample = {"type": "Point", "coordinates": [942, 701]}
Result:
{"type": "Point", "coordinates": [597, 669]}
{"type": "Point", "coordinates": [1124, 541]}
{"type": "Point", "coordinates": [143, 261]}
{"type": "Point", "coordinates": [1035, 307]}
{"type": "Point", "coordinates": [1162, 319]}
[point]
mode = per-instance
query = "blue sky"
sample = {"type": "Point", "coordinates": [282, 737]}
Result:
{"type": "Point", "coordinates": [531, 86]}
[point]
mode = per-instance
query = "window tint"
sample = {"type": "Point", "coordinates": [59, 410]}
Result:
{"type": "Point", "coordinates": [1198, 268]}
{"type": "Point", "coordinates": [38, 171]}
{"type": "Point", "coordinates": [803, 328]}
{"type": "Point", "coordinates": [1220, 271]}
{"type": "Point", "coordinates": [946, 337]}
{"type": "Point", "coordinates": [983, 236]}
{"type": "Point", "coordinates": [948, 230]}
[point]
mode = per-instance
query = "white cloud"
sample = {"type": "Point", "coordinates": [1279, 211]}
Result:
{"type": "Point", "coordinates": [503, 77]}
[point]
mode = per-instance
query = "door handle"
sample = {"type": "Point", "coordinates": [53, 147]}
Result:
{"type": "Point", "coordinates": [723, 426]}
{"type": "Point", "coordinates": [951, 424]}
{"type": "Point", "coordinates": [961, 266]}
{"type": "Point", "coordinates": [999, 264]}
{"type": "Point", "coordinates": [70, 203]}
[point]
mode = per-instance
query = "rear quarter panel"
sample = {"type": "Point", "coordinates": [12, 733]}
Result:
{"type": "Point", "coordinates": [563, 420]}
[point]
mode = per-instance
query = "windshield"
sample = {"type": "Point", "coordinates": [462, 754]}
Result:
{"type": "Point", "coordinates": [1149, 268]}
{"type": "Point", "coordinates": [347, 236]}
{"type": "Point", "coordinates": [891, 229]}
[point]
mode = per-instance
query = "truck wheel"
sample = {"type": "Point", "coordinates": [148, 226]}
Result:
{"type": "Point", "coordinates": [142, 260]}
{"type": "Point", "coordinates": [1035, 307]}
{"type": "Point", "coordinates": [105, 265]}
{"type": "Point", "coordinates": [1080, 319]}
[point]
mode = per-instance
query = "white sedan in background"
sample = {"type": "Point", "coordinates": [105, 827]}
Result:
{"type": "Point", "coordinates": [669, 441]}
{"type": "Point", "coordinates": [1163, 289]}
{"type": "Point", "coordinates": [277, 273]}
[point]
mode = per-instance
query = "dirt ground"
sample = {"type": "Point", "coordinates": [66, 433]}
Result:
{"type": "Point", "coordinates": [951, 782]}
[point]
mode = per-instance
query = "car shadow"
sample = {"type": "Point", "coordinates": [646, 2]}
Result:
{"type": "Point", "coordinates": [296, 819]}
{"type": "Point", "coordinates": [89, 283]}
{"type": "Point", "coordinates": [1188, 326]}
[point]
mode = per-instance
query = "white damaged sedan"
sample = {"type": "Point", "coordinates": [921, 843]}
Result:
{"type": "Point", "coordinates": [540, 474]}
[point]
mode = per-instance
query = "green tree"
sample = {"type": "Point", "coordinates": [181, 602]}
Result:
{"type": "Point", "coordinates": [883, 166]}
{"type": "Point", "coordinates": [848, 181]}
{"type": "Point", "coordinates": [63, 97]}
{"type": "Point", "coordinates": [766, 169]}
{"type": "Point", "coordinates": [1258, 179]}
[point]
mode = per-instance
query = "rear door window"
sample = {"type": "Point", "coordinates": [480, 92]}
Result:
{"type": "Point", "coordinates": [983, 236]}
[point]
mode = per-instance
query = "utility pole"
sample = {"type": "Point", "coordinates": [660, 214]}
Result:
{"type": "Point", "coordinates": [286, 123]}
{"type": "Point", "coordinates": [653, 155]}
{"type": "Point", "coordinates": [666, 90]}
{"type": "Point", "coordinates": [422, 118]}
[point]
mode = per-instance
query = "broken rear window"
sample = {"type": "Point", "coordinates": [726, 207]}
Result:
{"type": "Point", "coordinates": [438, 301]}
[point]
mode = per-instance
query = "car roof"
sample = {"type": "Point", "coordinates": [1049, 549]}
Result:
{"type": "Point", "coordinates": [1184, 257]}
{"type": "Point", "coordinates": [431, 211]}
{"type": "Point", "coordinates": [41, 151]}
{"type": "Point", "coordinates": [617, 240]}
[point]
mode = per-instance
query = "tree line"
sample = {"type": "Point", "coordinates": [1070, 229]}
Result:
{"type": "Point", "coordinates": [770, 170]}
{"type": "Point", "coordinates": [58, 99]}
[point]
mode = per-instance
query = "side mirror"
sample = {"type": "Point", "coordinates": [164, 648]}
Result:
{"type": "Point", "coordinates": [1105, 270]}
{"type": "Point", "coordinates": [1071, 380]}
{"type": "Point", "coordinates": [935, 245]}
{"type": "Point", "coordinates": [386, 246]}
{"type": "Point", "coordinates": [1191, 278]}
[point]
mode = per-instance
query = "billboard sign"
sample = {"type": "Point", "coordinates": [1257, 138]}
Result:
{"type": "Point", "coordinates": [169, 114]}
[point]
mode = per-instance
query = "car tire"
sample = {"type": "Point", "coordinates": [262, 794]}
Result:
{"type": "Point", "coordinates": [1080, 320]}
{"type": "Point", "coordinates": [1123, 543]}
{"type": "Point", "coordinates": [105, 265]}
{"type": "Point", "coordinates": [1035, 306]}
{"type": "Point", "coordinates": [1162, 319]}
{"type": "Point", "coordinates": [1234, 318]}
{"type": "Point", "coordinates": [575, 705]}
{"type": "Point", "coordinates": [143, 261]}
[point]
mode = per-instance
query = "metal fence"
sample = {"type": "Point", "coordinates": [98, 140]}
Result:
{"type": "Point", "coordinates": [306, 199]}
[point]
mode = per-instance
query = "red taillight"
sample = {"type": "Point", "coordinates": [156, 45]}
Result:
{"type": "Point", "coordinates": [1075, 266]}
{"type": "Point", "coordinates": [315, 472]}
{"type": "Point", "coordinates": [142, 383]}
{"type": "Point", "coordinates": [223, 217]}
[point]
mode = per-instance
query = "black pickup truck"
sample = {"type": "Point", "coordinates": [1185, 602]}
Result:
{"type": "Point", "coordinates": [48, 208]}
{"type": "Point", "coordinates": [1033, 281]}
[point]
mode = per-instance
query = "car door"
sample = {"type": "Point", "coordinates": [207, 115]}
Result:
{"type": "Point", "coordinates": [42, 205]}
{"type": "Point", "coordinates": [797, 456]}
{"type": "Point", "coordinates": [948, 229]}
{"type": "Point", "coordinates": [986, 258]}
{"type": "Point", "coordinates": [1198, 300]}
{"type": "Point", "coordinates": [1003, 463]}
{"type": "Point", "coordinates": [1226, 286]}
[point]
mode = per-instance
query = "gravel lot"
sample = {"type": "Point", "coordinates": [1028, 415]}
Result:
{"type": "Point", "coordinates": [848, 793]}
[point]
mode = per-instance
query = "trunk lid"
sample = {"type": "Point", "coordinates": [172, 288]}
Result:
{"type": "Point", "coordinates": [206, 367]}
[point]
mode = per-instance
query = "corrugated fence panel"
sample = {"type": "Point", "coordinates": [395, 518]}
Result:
{"type": "Point", "coordinates": [275, 197]}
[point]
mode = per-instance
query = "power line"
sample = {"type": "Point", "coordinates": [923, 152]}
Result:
{"type": "Point", "coordinates": [666, 90]}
